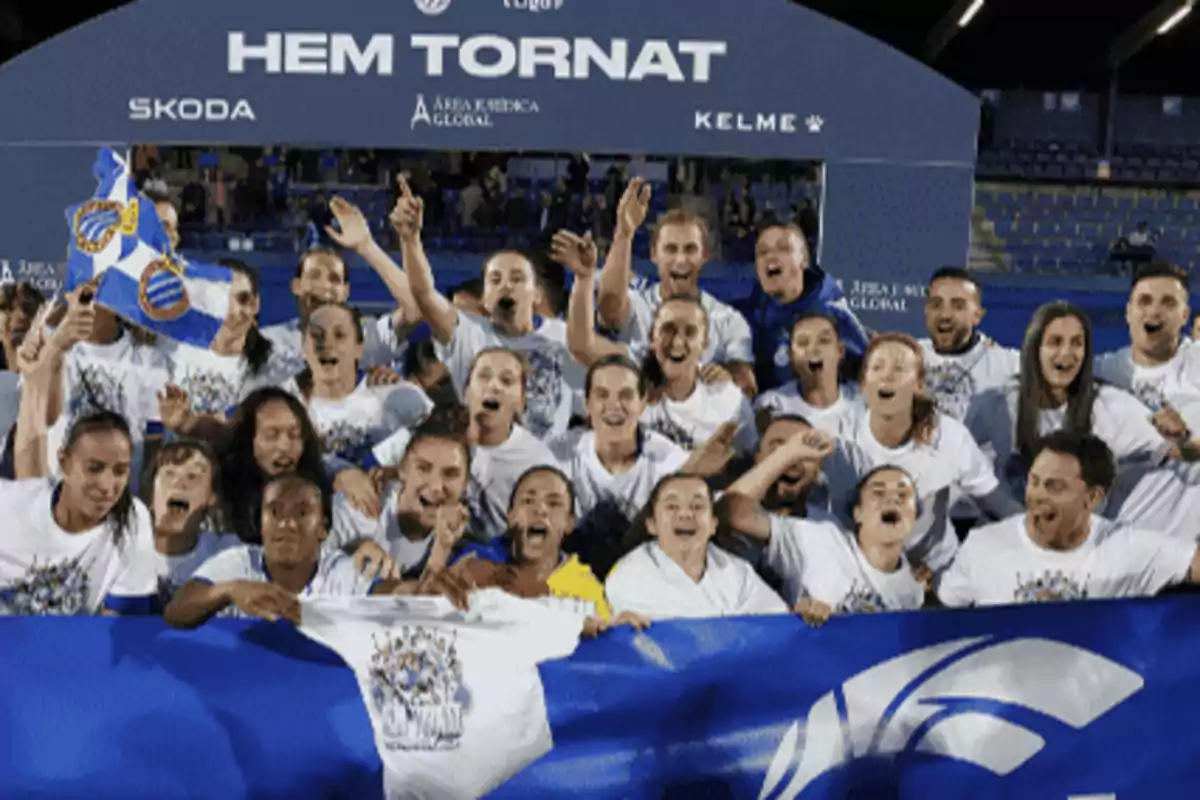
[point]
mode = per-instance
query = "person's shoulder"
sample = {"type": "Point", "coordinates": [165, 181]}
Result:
{"type": "Point", "coordinates": [26, 493]}
{"type": "Point", "coordinates": [632, 567]}
{"type": "Point", "coordinates": [994, 536]}
{"type": "Point", "coordinates": [656, 447]}
{"type": "Point", "coordinates": [950, 432]}
{"type": "Point", "coordinates": [1118, 401]}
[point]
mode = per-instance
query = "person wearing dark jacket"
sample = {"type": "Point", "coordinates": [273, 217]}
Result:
{"type": "Point", "coordinates": [789, 285]}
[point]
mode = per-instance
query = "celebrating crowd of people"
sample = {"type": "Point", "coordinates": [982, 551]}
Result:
{"type": "Point", "coordinates": [654, 453]}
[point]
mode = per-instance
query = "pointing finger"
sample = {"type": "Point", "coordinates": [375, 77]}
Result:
{"type": "Point", "coordinates": [405, 189]}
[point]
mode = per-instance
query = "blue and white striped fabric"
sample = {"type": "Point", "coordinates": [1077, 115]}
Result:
{"type": "Point", "coordinates": [117, 236]}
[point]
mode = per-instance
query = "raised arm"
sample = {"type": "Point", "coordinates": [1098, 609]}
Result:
{"type": "Point", "coordinates": [740, 508]}
{"type": "Point", "coordinates": [613, 302]}
{"type": "Point", "coordinates": [435, 309]}
{"type": "Point", "coordinates": [578, 254]}
{"type": "Point", "coordinates": [41, 391]}
{"type": "Point", "coordinates": [354, 234]}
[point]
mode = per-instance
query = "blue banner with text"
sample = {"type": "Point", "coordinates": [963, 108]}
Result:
{"type": "Point", "coordinates": [1084, 700]}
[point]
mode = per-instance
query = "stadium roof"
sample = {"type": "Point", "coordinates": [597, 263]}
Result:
{"type": "Point", "coordinates": [1036, 44]}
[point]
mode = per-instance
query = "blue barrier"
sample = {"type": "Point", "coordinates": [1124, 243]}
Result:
{"type": "Point", "coordinates": [1051, 702]}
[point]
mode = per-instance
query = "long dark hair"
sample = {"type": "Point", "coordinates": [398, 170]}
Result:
{"type": "Point", "coordinates": [242, 479]}
{"type": "Point", "coordinates": [1081, 394]}
{"type": "Point", "coordinates": [656, 380]}
{"type": "Point", "coordinates": [119, 516]}
{"type": "Point", "coordinates": [304, 379]}
{"type": "Point", "coordinates": [924, 410]}
{"type": "Point", "coordinates": [175, 453]}
{"type": "Point", "coordinates": [258, 348]}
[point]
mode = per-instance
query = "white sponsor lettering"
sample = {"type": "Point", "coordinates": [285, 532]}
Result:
{"type": "Point", "coordinates": [534, 5]}
{"type": "Point", "coordinates": [490, 56]}
{"type": "Point", "coordinates": [745, 122]}
{"type": "Point", "coordinates": [483, 56]}
{"type": "Point", "coordinates": [189, 109]}
{"type": "Point", "coordinates": [313, 54]}
{"type": "Point", "coordinates": [465, 112]}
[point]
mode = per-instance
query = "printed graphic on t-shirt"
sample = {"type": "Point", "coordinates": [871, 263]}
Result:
{"type": "Point", "coordinates": [544, 390]}
{"type": "Point", "coordinates": [417, 689]}
{"type": "Point", "coordinates": [1151, 394]}
{"type": "Point", "coordinates": [861, 600]}
{"type": "Point", "coordinates": [1049, 587]}
{"type": "Point", "coordinates": [952, 387]}
{"type": "Point", "coordinates": [673, 431]}
{"type": "Point", "coordinates": [211, 392]}
{"type": "Point", "coordinates": [59, 589]}
{"type": "Point", "coordinates": [96, 389]}
{"type": "Point", "coordinates": [349, 441]}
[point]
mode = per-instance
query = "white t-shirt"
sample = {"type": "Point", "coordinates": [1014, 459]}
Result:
{"type": "Point", "coordinates": [949, 467]}
{"type": "Point", "coordinates": [216, 384]}
{"type": "Point", "coordinates": [689, 423]}
{"type": "Point", "coordinates": [728, 332]}
{"type": "Point", "coordinates": [455, 698]}
{"type": "Point", "coordinates": [648, 582]}
{"type": "Point", "coordinates": [824, 562]}
{"type": "Point", "coordinates": [838, 419]}
{"type": "Point", "coordinates": [45, 570]}
{"type": "Point", "coordinates": [494, 475]}
{"type": "Point", "coordinates": [350, 428]}
{"type": "Point", "coordinates": [554, 387]}
{"type": "Point", "coordinates": [1000, 564]}
{"type": "Point", "coordinates": [954, 379]}
{"type": "Point", "coordinates": [1117, 418]}
{"type": "Point", "coordinates": [380, 346]}
{"type": "Point", "coordinates": [174, 571]}
{"type": "Point", "coordinates": [1175, 383]}
{"type": "Point", "coordinates": [120, 377]}
{"type": "Point", "coordinates": [335, 575]}
{"type": "Point", "coordinates": [606, 501]}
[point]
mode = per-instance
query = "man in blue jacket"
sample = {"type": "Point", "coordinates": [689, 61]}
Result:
{"type": "Point", "coordinates": [789, 284]}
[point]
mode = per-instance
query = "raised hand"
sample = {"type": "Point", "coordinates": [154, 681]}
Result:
{"type": "Point", "coordinates": [451, 525]}
{"type": "Point", "coordinates": [354, 233]}
{"type": "Point", "coordinates": [174, 408]}
{"type": "Point", "coordinates": [77, 325]}
{"type": "Point", "coordinates": [714, 455]}
{"type": "Point", "coordinates": [383, 375]}
{"type": "Point", "coordinates": [1170, 424]}
{"type": "Point", "coordinates": [30, 351]}
{"type": "Point", "coordinates": [576, 253]}
{"type": "Point", "coordinates": [409, 214]}
{"type": "Point", "coordinates": [811, 445]}
{"type": "Point", "coordinates": [359, 490]}
{"type": "Point", "coordinates": [633, 207]}
{"type": "Point", "coordinates": [373, 562]}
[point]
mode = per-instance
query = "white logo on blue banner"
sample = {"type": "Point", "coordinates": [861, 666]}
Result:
{"type": "Point", "coordinates": [922, 701]}
{"type": "Point", "coordinates": [432, 8]}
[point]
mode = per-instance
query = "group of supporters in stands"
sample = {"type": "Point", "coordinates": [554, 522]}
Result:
{"type": "Point", "coordinates": [653, 452]}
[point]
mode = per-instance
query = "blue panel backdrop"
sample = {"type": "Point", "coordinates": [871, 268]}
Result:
{"type": "Point", "coordinates": [752, 79]}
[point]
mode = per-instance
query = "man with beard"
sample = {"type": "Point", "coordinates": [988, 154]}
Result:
{"type": "Point", "coordinates": [789, 284]}
{"type": "Point", "coordinates": [1060, 549]}
{"type": "Point", "coordinates": [1161, 367]}
{"type": "Point", "coordinates": [960, 362]}
{"type": "Point", "coordinates": [511, 294]}
{"type": "Point", "coordinates": [679, 248]}
{"type": "Point", "coordinates": [322, 277]}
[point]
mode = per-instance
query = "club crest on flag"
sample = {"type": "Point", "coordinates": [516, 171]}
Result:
{"type": "Point", "coordinates": [98, 221]}
{"type": "Point", "coordinates": [162, 292]}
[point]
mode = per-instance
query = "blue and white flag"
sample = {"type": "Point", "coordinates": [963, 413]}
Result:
{"type": "Point", "coordinates": [116, 235]}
